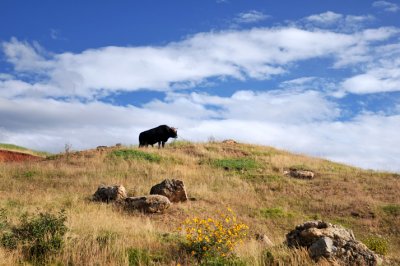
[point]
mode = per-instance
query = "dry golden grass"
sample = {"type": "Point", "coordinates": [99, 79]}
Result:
{"type": "Point", "coordinates": [258, 192]}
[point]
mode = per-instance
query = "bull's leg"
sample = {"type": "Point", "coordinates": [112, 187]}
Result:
{"type": "Point", "coordinates": [163, 143]}
{"type": "Point", "coordinates": [159, 143]}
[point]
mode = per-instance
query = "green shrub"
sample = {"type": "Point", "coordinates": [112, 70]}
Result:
{"type": "Point", "coordinates": [272, 213]}
{"type": "Point", "coordinates": [378, 244]}
{"type": "Point", "coordinates": [392, 209]}
{"type": "Point", "coordinates": [136, 155]}
{"type": "Point", "coordinates": [238, 164]}
{"type": "Point", "coordinates": [38, 236]}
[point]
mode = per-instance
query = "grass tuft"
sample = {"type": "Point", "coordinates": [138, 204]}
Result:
{"type": "Point", "coordinates": [237, 164]}
{"type": "Point", "coordinates": [392, 209]}
{"type": "Point", "coordinates": [378, 244]}
{"type": "Point", "coordinates": [136, 155]}
{"type": "Point", "coordinates": [272, 213]}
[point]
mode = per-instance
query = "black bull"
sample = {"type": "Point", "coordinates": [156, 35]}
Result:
{"type": "Point", "coordinates": [159, 134]}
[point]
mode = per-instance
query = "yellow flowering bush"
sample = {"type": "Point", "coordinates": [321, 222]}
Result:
{"type": "Point", "coordinates": [213, 237]}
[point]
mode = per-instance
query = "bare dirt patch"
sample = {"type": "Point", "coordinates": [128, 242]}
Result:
{"type": "Point", "coordinates": [12, 156]}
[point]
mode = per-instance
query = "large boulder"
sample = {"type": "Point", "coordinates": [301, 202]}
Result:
{"type": "Point", "coordinates": [148, 204]}
{"type": "Point", "coordinates": [332, 242]}
{"type": "Point", "coordinates": [173, 189]}
{"type": "Point", "coordinates": [110, 193]}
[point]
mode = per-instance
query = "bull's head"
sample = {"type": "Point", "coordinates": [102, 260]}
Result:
{"type": "Point", "coordinates": [174, 132]}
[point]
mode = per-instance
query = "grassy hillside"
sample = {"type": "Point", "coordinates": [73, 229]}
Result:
{"type": "Point", "coordinates": [16, 148]}
{"type": "Point", "coordinates": [245, 178]}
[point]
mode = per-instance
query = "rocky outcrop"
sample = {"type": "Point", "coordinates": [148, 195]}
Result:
{"type": "Point", "coordinates": [333, 242]}
{"type": "Point", "coordinates": [148, 204]}
{"type": "Point", "coordinates": [173, 189]}
{"type": "Point", "coordinates": [101, 148]}
{"type": "Point", "coordinates": [229, 141]}
{"type": "Point", "coordinates": [301, 174]}
{"type": "Point", "coordinates": [109, 193]}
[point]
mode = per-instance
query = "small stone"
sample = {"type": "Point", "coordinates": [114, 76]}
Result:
{"type": "Point", "coordinates": [263, 238]}
{"type": "Point", "coordinates": [301, 174]}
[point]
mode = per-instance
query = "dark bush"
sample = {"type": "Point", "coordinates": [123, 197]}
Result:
{"type": "Point", "coordinates": [39, 235]}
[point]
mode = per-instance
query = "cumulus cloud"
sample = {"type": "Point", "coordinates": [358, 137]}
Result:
{"type": "Point", "coordinates": [386, 6]}
{"type": "Point", "coordinates": [380, 75]}
{"type": "Point", "coordinates": [250, 17]}
{"type": "Point", "coordinates": [375, 80]}
{"type": "Point", "coordinates": [305, 122]}
{"type": "Point", "coordinates": [327, 18]}
{"type": "Point", "coordinates": [259, 53]}
{"type": "Point", "coordinates": [336, 22]}
{"type": "Point", "coordinates": [26, 57]}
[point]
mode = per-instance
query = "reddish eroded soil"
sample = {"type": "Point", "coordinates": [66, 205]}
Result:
{"type": "Point", "coordinates": [12, 156]}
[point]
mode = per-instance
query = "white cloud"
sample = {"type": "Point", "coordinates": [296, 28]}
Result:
{"type": "Point", "coordinates": [259, 53]}
{"type": "Point", "coordinates": [327, 18]}
{"type": "Point", "coordinates": [336, 22]}
{"type": "Point", "coordinates": [386, 6]}
{"type": "Point", "coordinates": [301, 122]}
{"type": "Point", "coordinates": [26, 57]}
{"type": "Point", "coordinates": [380, 75]}
{"type": "Point", "coordinates": [375, 80]}
{"type": "Point", "coordinates": [251, 17]}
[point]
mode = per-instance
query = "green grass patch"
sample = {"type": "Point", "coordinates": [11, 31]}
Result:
{"type": "Point", "coordinates": [392, 209]}
{"type": "Point", "coordinates": [238, 164]}
{"type": "Point", "coordinates": [136, 155]}
{"type": "Point", "coordinates": [180, 143]}
{"type": "Point", "coordinates": [378, 244]}
{"type": "Point", "coordinates": [137, 257]}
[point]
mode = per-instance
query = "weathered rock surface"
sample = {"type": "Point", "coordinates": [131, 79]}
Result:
{"type": "Point", "coordinates": [301, 174]}
{"type": "Point", "coordinates": [101, 148]}
{"type": "Point", "coordinates": [173, 189]}
{"type": "Point", "coordinates": [149, 204]}
{"type": "Point", "coordinates": [109, 193]}
{"type": "Point", "coordinates": [229, 141]}
{"type": "Point", "coordinates": [332, 242]}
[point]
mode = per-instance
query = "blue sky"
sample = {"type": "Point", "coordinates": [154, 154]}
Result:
{"type": "Point", "coordinates": [314, 77]}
